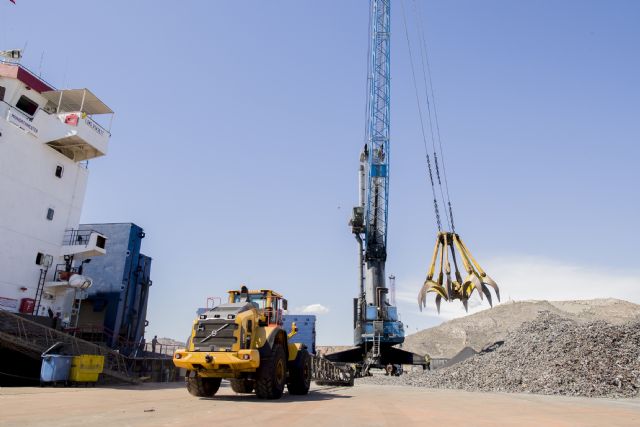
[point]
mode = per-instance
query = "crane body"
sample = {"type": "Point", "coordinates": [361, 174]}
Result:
{"type": "Point", "coordinates": [371, 234]}
{"type": "Point", "coordinates": [375, 321]}
{"type": "Point", "coordinates": [377, 327]}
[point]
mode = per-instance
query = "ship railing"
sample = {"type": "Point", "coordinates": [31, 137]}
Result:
{"type": "Point", "coordinates": [161, 349]}
{"type": "Point", "coordinates": [61, 274]}
{"type": "Point", "coordinates": [4, 61]}
{"type": "Point", "coordinates": [73, 237]}
{"type": "Point", "coordinates": [92, 120]}
{"type": "Point", "coordinates": [62, 115]}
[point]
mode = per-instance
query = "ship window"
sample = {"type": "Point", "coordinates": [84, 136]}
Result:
{"type": "Point", "coordinates": [59, 170]}
{"type": "Point", "coordinates": [1, 93]}
{"type": "Point", "coordinates": [40, 258]}
{"type": "Point", "coordinates": [50, 213]}
{"type": "Point", "coordinates": [28, 106]}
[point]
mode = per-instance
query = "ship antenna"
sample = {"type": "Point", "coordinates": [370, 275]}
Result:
{"type": "Point", "coordinates": [41, 61]}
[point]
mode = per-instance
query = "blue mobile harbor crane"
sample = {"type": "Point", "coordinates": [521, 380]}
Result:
{"type": "Point", "coordinates": [375, 321]}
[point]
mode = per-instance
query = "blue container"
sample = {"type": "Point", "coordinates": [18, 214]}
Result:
{"type": "Point", "coordinates": [306, 324]}
{"type": "Point", "coordinates": [55, 368]}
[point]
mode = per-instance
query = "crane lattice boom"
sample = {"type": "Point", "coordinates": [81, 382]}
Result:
{"type": "Point", "coordinates": [377, 206]}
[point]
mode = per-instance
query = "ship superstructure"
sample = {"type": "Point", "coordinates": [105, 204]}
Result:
{"type": "Point", "coordinates": [47, 137]}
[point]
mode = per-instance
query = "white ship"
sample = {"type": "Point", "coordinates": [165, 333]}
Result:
{"type": "Point", "coordinates": [47, 137]}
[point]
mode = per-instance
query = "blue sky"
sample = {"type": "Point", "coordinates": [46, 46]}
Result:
{"type": "Point", "coordinates": [238, 127]}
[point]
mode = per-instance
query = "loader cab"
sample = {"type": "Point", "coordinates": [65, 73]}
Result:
{"type": "Point", "coordinates": [256, 299]}
{"type": "Point", "coordinates": [269, 303]}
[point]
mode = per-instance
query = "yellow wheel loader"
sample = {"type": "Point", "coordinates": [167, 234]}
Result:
{"type": "Point", "coordinates": [243, 341]}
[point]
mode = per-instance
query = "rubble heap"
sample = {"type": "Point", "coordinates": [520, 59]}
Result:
{"type": "Point", "coordinates": [549, 355]}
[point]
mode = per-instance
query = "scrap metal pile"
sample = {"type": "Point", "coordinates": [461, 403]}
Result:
{"type": "Point", "coordinates": [451, 289]}
{"type": "Point", "coordinates": [549, 355]}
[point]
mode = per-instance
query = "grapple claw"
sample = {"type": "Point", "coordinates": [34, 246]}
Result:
{"type": "Point", "coordinates": [422, 295]}
{"type": "Point", "coordinates": [440, 291]}
{"type": "Point", "coordinates": [477, 284]}
{"type": "Point", "coordinates": [489, 282]}
{"type": "Point", "coordinates": [431, 286]}
{"type": "Point", "coordinates": [486, 293]}
{"type": "Point", "coordinates": [446, 288]}
{"type": "Point", "coordinates": [467, 286]}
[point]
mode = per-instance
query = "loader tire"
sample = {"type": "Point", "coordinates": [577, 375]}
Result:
{"type": "Point", "coordinates": [242, 385]}
{"type": "Point", "coordinates": [272, 374]}
{"type": "Point", "coordinates": [300, 374]}
{"type": "Point", "coordinates": [202, 386]}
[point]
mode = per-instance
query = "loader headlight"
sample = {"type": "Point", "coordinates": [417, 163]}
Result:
{"type": "Point", "coordinates": [177, 356]}
{"type": "Point", "coordinates": [246, 356]}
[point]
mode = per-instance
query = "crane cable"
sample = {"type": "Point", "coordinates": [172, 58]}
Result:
{"type": "Point", "coordinates": [426, 71]}
{"type": "Point", "coordinates": [424, 135]}
{"type": "Point", "coordinates": [446, 283]}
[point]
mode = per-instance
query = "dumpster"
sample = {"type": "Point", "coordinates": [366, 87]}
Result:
{"type": "Point", "coordinates": [55, 368]}
{"type": "Point", "coordinates": [86, 368]}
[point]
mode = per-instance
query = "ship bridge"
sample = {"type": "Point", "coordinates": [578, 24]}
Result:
{"type": "Point", "coordinates": [77, 135]}
{"type": "Point", "coordinates": [73, 122]}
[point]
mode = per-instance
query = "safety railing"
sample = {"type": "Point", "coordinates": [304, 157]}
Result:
{"type": "Point", "coordinates": [74, 237]}
{"type": "Point", "coordinates": [2, 61]}
{"type": "Point", "coordinates": [151, 350]}
{"type": "Point", "coordinates": [91, 122]}
{"type": "Point", "coordinates": [61, 274]}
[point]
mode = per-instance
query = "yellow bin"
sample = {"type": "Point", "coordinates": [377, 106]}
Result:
{"type": "Point", "coordinates": [86, 368]}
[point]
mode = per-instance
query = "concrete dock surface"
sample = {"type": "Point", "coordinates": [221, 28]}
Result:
{"type": "Point", "coordinates": [362, 405]}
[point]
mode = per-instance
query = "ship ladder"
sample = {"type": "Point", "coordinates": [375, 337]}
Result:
{"type": "Point", "coordinates": [40, 290]}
